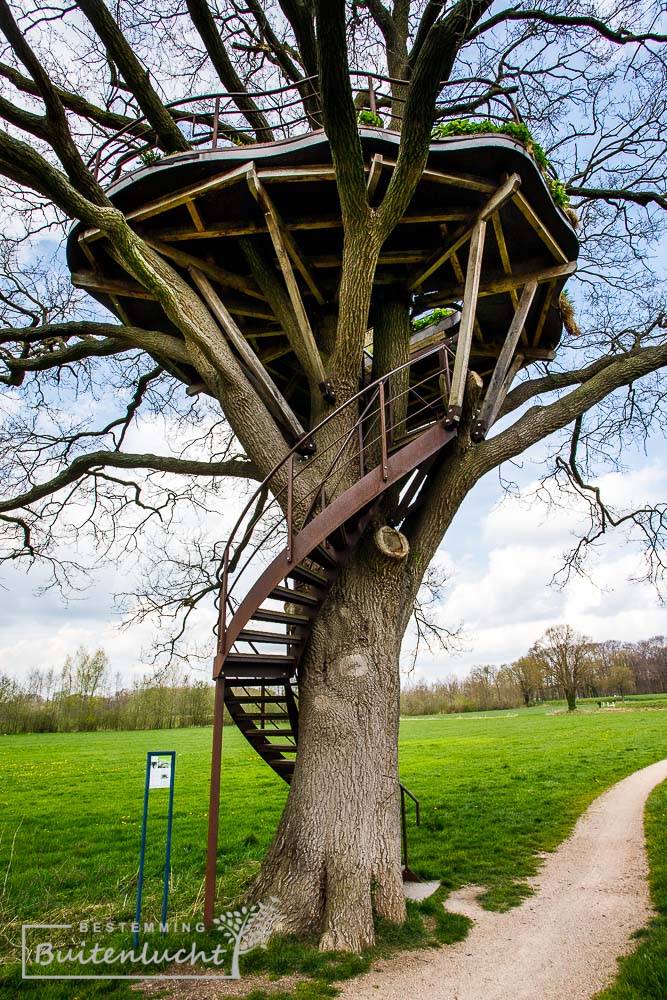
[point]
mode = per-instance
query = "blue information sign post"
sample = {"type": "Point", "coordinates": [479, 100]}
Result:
{"type": "Point", "coordinates": [160, 772]}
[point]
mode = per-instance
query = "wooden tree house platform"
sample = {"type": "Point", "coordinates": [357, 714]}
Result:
{"type": "Point", "coordinates": [201, 208]}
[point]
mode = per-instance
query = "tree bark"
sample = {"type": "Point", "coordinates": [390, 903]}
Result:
{"type": "Point", "coordinates": [336, 856]}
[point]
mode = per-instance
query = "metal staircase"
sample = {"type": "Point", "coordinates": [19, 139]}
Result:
{"type": "Point", "coordinates": [313, 509]}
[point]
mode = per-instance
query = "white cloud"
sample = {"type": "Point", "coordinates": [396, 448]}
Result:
{"type": "Point", "coordinates": [502, 591]}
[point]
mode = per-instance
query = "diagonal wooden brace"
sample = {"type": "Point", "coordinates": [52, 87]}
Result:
{"type": "Point", "coordinates": [503, 364]}
{"type": "Point", "coordinates": [466, 326]}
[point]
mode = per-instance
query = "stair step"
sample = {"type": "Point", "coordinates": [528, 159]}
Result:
{"type": "Point", "coordinates": [294, 597]}
{"type": "Point", "coordinates": [259, 659]}
{"type": "Point", "coordinates": [325, 556]}
{"type": "Point", "coordinates": [269, 615]}
{"type": "Point", "coordinates": [275, 748]}
{"type": "Point", "coordinates": [266, 717]}
{"type": "Point", "coordinates": [250, 700]}
{"type": "Point", "coordinates": [304, 575]}
{"type": "Point", "coordinates": [282, 763]}
{"type": "Point", "coordinates": [280, 638]}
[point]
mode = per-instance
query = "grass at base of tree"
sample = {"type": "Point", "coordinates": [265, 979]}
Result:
{"type": "Point", "coordinates": [495, 791]}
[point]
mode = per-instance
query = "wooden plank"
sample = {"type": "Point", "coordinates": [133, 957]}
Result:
{"type": "Point", "coordinates": [222, 230]}
{"type": "Point", "coordinates": [504, 362]}
{"type": "Point", "coordinates": [458, 274]}
{"type": "Point", "coordinates": [252, 362]}
{"type": "Point", "coordinates": [507, 265]}
{"type": "Point", "coordinates": [374, 175]}
{"type": "Point", "coordinates": [388, 257]}
{"type": "Point", "coordinates": [87, 252]}
{"type": "Point", "coordinates": [180, 197]}
{"type": "Point", "coordinates": [302, 321]}
{"type": "Point", "coordinates": [533, 219]}
{"type": "Point", "coordinates": [287, 175]}
{"type": "Point", "coordinates": [505, 388]}
{"type": "Point", "coordinates": [466, 181]}
{"type": "Point", "coordinates": [500, 284]}
{"type": "Point", "coordinates": [195, 216]}
{"type": "Point", "coordinates": [464, 340]}
{"type": "Point", "coordinates": [227, 278]}
{"type": "Point", "coordinates": [493, 205]}
{"type": "Point", "coordinates": [548, 298]}
{"type": "Point", "coordinates": [95, 282]}
{"type": "Point", "coordinates": [282, 239]}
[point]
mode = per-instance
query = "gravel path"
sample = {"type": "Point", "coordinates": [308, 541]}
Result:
{"type": "Point", "coordinates": [561, 943]}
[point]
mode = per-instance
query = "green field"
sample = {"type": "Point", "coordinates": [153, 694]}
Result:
{"type": "Point", "coordinates": [494, 790]}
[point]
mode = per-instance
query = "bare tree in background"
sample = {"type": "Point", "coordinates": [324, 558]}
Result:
{"type": "Point", "coordinates": [592, 88]}
{"type": "Point", "coordinates": [567, 660]}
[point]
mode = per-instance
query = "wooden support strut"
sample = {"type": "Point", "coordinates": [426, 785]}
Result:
{"type": "Point", "coordinates": [287, 252]}
{"type": "Point", "coordinates": [503, 363]}
{"type": "Point", "coordinates": [495, 202]}
{"type": "Point", "coordinates": [271, 393]}
{"type": "Point", "coordinates": [466, 326]}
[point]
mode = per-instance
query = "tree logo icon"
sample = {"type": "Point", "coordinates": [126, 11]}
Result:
{"type": "Point", "coordinates": [248, 928]}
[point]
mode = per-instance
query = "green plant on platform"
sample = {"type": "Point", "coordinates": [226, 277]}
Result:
{"type": "Point", "coordinates": [366, 117]}
{"type": "Point", "coordinates": [516, 130]}
{"type": "Point", "coordinates": [433, 317]}
{"type": "Point", "coordinates": [149, 157]}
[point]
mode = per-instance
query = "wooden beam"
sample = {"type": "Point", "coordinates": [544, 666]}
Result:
{"type": "Point", "coordinates": [180, 197]}
{"type": "Point", "coordinates": [195, 216]}
{"type": "Point", "coordinates": [464, 340]}
{"type": "Point", "coordinates": [467, 181]}
{"type": "Point", "coordinates": [389, 257]}
{"type": "Point", "coordinates": [493, 205]}
{"type": "Point", "coordinates": [374, 174]}
{"type": "Point", "coordinates": [548, 298]}
{"type": "Point", "coordinates": [529, 353]}
{"type": "Point", "coordinates": [504, 362]}
{"type": "Point", "coordinates": [220, 230]}
{"type": "Point", "coordinates": [535, 222]}
{"type": "Point", "coordinates": [517, 363]}
{"type": "Point", "coordinates": [507, 265]}
{"type": "Point", "coordinates": [458, 274]}
{"type": "Point", "coordinates": [272, 396]}
{"type": "Point", "coordinates": [277, 237]}
{"type": "Point", "coordinates": [500, 284]}
{"type": "Point", "coordinates": [93, 281]}
{"type": "Point", "coordinates": [282, 239]}
{"type": "Point", "coordinates": [219, 274]}
{"type": "Point", "coordinates": [287, 175]}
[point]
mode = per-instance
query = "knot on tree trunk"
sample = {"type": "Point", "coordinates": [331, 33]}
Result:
{"type": "Point", "coordinates": [391, 543]}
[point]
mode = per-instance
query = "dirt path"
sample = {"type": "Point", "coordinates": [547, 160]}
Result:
{"type": "Point", "coordinates": [561, 943]}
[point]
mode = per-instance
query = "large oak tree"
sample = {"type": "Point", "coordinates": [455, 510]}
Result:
{"type": "Point", "coordinates": [591, 85]}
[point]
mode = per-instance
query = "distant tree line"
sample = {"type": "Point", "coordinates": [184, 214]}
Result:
{"type": "Point", "coordinates": [562, 664]}
{"type": "Point", "coordinates": [82, 695]}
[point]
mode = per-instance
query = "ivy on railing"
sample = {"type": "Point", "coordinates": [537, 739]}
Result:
{"type": "Point", "coordinates": [516, 130]}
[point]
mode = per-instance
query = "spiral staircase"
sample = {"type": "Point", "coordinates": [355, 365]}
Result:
{"type": "Point", "coordinates": [390, 436]}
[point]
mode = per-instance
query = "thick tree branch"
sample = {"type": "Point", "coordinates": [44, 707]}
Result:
{"type": "Point", "coordinates": [54, 126]}
{"type": "Point", "coordinates": [620, 37]}
{"type": "Point", "coordinates": [203, 20]}
{"type": "Point", "coordinates": [339, 112]}
{"type": "Point", "coordinates": [136, 77]}
{"type": "Point", "coordinates": [613, 195]}
{"type": "Point", "coordinates": [84, 464]}
{"type": "Point", "coordinates": [437, 55]}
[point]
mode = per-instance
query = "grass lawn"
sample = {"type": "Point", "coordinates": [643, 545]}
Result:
{"type": "Point", "coordinates": [495, 790]}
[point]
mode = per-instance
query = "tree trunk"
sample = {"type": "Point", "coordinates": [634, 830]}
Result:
{"type": "Point", "coordinates": [571, 695]}
{"type": "Point", "coordinates": [336, 856]}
